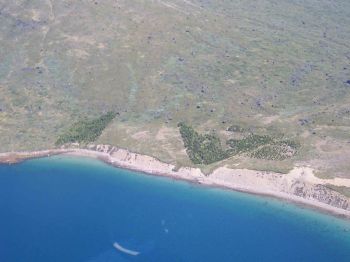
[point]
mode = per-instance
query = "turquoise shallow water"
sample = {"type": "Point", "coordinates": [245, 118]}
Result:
{"type": "Point", "coordinates": [74, 209]}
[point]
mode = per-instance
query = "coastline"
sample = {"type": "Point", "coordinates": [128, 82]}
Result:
{"type": "Point", "coordinates": [299, 186]}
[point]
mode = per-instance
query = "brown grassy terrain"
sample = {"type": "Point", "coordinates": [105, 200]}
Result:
{"type": "Point", "coordinates": [274, 67]}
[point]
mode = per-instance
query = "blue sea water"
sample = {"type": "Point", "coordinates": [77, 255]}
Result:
{"type": "Point", "coordinates": [74, 209]}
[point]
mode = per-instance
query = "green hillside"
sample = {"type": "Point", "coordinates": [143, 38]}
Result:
{"type": "Point", "coordinates": [267, 69]}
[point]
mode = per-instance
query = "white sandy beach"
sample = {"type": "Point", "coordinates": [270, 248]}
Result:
{"type": "Point", "coordinates": [300, 185]}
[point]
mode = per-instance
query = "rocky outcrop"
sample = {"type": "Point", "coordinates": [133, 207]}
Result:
{"type": "Point", "coordinates": [320, 193]}
{"type": "Point", "coordinates": [299, 184]}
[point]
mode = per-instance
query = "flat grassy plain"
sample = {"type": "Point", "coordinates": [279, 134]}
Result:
{"type": "Point", "coordinates": [271, 67]}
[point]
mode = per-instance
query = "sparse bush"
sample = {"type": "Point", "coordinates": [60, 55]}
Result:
{"type": "Point", "coordinates": [272, 152]}
{"type": "Point", "coordinates": [263, 147]}
{"type": "Point", "coordinates": [235, 128]}
{"type": "Point", "coordinates": [249, 143]}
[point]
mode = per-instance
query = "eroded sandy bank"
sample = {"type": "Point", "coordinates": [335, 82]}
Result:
{"type": "Point", "coordinates": [300, 185]}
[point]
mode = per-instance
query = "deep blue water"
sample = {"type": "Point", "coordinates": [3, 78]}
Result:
{"type": "Point", "coordinates": [74, 209]}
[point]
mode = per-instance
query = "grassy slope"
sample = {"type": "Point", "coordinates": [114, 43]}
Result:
{"type": "Point", "coordinates": [275, 67]}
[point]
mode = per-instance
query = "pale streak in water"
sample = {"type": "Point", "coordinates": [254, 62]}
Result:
{"type": "Point", "coordinates": [125, 250]}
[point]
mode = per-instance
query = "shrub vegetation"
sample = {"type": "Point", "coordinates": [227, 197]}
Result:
{"type": "Point", "coordinates": [248, 143]}
{"type": "Point", "coordinates": [202, 149]}
{"type": "Point", "coordinates": [264, 147]}
{"type": "Point", "coordinates": [86, 130]}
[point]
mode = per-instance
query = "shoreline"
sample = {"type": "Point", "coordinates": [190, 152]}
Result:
{"type": "Point", "coordinates": [299, 187]}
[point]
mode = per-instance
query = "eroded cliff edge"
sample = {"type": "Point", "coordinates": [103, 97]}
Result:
{"type": "Point", "coordinates": [299, 185]}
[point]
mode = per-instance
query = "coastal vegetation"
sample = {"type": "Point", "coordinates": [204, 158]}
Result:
{"type": "Point", "coordinates": [207, 149]}
{"type": "Point", "coordinates": [264, 147]}
{"type": "Point", "coordinates": [248, 143]}
{"type": "Point", "coordinates": [273, 152]}
{"type": "Point", "coordinates": [86, 130]}
{"type": "Point", "coordinates": [202, 149]}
